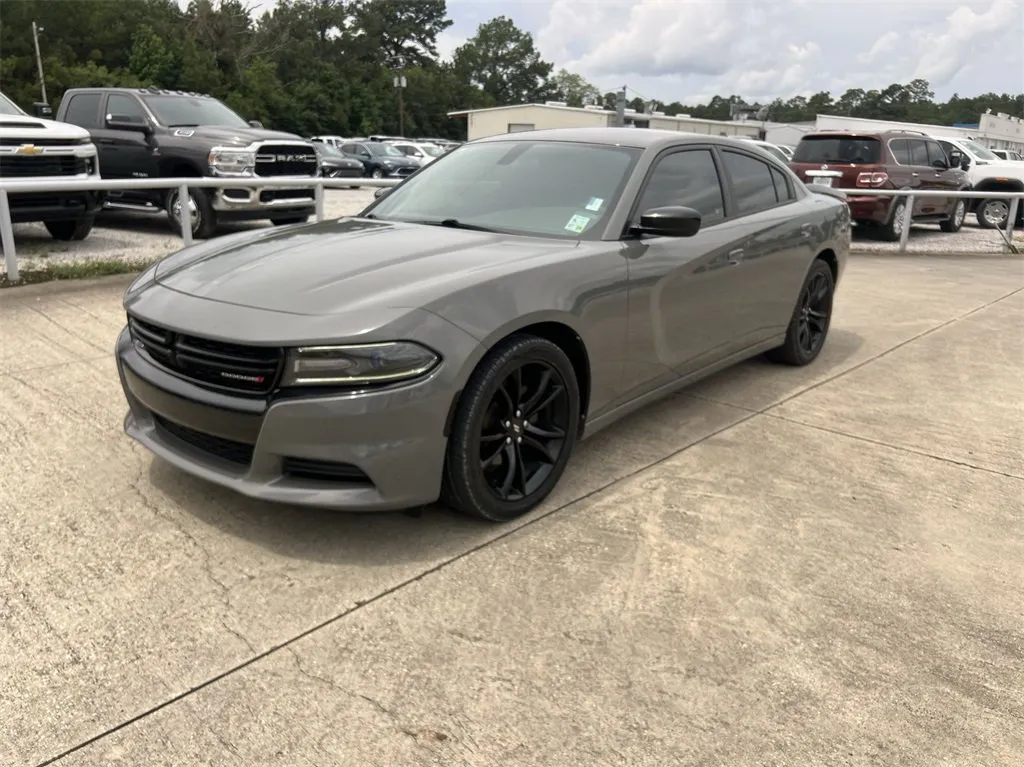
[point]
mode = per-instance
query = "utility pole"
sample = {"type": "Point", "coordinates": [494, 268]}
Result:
{"type": "Point", "coordinates": [400, 83]}
{"type": "Point", "coordinates": [39, 59]}
{"type": "Point", "coordinates": [620, 108]}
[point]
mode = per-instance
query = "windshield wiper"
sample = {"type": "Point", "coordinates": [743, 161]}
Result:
{"type": "Point", "coordinates": [454, 223]}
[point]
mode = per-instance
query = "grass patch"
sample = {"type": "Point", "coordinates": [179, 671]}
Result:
{"type": "Point", "coordinates": [76, 270]}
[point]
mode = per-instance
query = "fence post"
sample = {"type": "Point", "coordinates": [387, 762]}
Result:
{"type": "Point", "coordinates": [7, 237]}
{"type": "Point", "coordinates": [319, 202]}
{"type": "Point", "coordinates": [908, 215]}
{"type": "Point", "coordinates": [185, 216]}
{"type": "Point", "coordinates": [1011, 220]}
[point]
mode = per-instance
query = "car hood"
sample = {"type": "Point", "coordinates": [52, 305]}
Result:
{"type": "Point", "coordinates": [28, 128]}
{"type": "Point", "coordinates": [222, 136]}
{"type": "Point", "coordinates": [348, 264]}
{"type": "Point", "coordinates": [399, 161]}
{"type": "Point", "coordinates": [340, 162]}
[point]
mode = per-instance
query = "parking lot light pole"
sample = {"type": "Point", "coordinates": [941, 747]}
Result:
{"type": "Point", "coordinates": [400, 83]}
{"type": "Point", "coordinates": [39, 60]}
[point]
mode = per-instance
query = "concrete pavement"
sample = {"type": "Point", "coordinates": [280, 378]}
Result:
{"type": "Point", "coordinates": [784, 567]}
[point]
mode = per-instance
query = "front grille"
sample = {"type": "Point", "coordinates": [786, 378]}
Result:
{"type": "Point", "coordinates": [286, 160]}
{"type": "Point", "coordinates": [229, 367]}
{"type": "Point", "coordinates": [405, 171]}
{"type": "Point", "coordinates": [42, 165]}
{"type": "Point", "coordinates": [323, 471]}
{"type": "Point", "coordinates": [272, 195]}
{"type": "Point", "coordinates": [225, 449]}
{"type": "Point", "coordinates": [37, 141]}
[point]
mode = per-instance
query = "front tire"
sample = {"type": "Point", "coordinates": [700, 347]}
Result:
{"type": "Point", "coordinates": [204, 217]}
{"type": "Point", "coordinates": [812, 316]}
{"type": "Point", "coordinates": [74, 229]}
{"type": "Point", "coordinates": [992, 214]}
{"type": "Point", "coordinates": [956, 218]}
{"type": "Point", "coordinates": [515, 427]}
{"type": "Point", "coordinates": [377, 173]}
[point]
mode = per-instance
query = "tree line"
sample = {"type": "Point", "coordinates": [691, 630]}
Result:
{"type": "Point", "coordinates": [328, 66]}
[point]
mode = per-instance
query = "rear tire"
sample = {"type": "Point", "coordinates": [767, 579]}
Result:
{"type": "Point", "coordinates": [515, 427]}
{"type": "Point", "coordinates": [204, 217]}
{"type": "Point", "coordinates": [73, 229]}
{"type": "Point", "coordinates": [992, 214]}
{"type": "Point", "coordinates": [893, 228]}
{"type": "Point", "coordinates": [956, 218]}
{"type": "Point", "coordinates": [812, 317]}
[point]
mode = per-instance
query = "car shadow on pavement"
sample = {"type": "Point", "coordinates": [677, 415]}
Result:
{"type": "Point", "coordinates": [435, 533]}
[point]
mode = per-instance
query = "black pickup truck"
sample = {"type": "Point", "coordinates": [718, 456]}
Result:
{"type": "Point", "coordinates": [155, 133]}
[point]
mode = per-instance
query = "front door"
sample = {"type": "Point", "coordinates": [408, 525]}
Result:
{"type": "Point", "coordinates": [681, 312]}
{"type": "Point", "coordinates": [125, 153]}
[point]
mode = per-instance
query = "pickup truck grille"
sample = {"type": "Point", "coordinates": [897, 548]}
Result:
{"type": "Point", "coordinates": [286, 160]}
{"type": "Point", "coordinates": [250, 370]}
{"type": "Point", "coordinates": [41, 165]}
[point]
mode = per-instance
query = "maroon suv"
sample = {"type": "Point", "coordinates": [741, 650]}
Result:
{"type": "Point", "coordinates": [885, 160]}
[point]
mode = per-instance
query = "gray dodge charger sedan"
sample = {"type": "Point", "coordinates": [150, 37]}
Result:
{"type": "Point", "coordinates": [456, 339]}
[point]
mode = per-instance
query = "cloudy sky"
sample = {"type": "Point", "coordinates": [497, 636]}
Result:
{"type": "Point", "coordinates": [690, 50]}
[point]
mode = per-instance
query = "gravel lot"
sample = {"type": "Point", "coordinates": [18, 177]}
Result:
{"type": "Point", "coordinates": [132, 237]}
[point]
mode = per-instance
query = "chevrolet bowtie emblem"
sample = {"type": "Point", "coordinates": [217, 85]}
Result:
{"type": "Point", "coordinates": [30, 149]}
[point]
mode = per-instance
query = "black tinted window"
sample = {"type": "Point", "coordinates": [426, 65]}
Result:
{"type": "Point", "coordinates": [783, 191]}
{"type": "Point", "coordinates": [918, 152]}
{"type": "Point", "coordinates": [900, 151]}
{"type": "Point", "coordinates": [84, 110]}
{"type": "Point", "coordinates": [124, 106]}
{"type": "Point", "coordinates": [936, 156]}
{"type": "Point", "coordinates": [689, 179]}
{"type": "Point", "coordinates": [752, 182]}
{"type": "Point", "coordinates": [857, 150]}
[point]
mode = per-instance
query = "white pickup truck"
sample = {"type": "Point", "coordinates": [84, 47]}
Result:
{"type": "Point", "coordinates": [45, 150]}
{"type": "Point", "coordinates": [988, 172]}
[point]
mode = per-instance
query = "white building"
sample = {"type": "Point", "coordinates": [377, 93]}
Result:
{"type": "Point", "coordinates": [525, 117]}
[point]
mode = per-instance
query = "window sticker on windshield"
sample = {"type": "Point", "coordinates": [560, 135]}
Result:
{"type": "Point", "coordinates": [577, 223]}
{"type": "Point", "coordinates": [595, 204]}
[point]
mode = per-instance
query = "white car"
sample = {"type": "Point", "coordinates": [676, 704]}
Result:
{"type": "Point", "coordinates": [987, 172]}
{"type": "Point", "coordinates": [421, 151]}
{"type": "Point", "coordinates": [773, 149]}
{"type": "Point", "coordinates": [335, 141]}
{"type": "Point", "coordinates": [1008, 154]}
{"type": "Point", "coordinates": [32, 149]}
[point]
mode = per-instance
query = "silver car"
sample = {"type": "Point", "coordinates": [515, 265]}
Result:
{"type": "Point", "coordinates": [458, 338]}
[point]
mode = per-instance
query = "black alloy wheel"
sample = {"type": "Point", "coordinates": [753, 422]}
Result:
{"type": "Point", "coordinates": [514, 430]}
{"type": "Point", "coordinates": [808, 328]}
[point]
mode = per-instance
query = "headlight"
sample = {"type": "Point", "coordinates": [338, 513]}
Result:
{"type": "Point", "coordinates": [232, 162]}
{"type": "Point", "coordinates": [358, 363]}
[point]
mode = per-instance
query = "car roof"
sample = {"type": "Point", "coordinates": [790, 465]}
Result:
{"type": "Point", "coordinates": [641, 138]}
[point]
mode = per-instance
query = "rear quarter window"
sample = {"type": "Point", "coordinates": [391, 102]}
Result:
{"type": "Point", "coordinates": [856, 150]}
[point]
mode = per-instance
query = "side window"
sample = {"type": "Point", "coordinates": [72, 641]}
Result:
{"type": "Point", "coordinates": [688, 178]}
{"type": "Point", "coordinates": [918, 152]}
{"type": "Point", "coordinates": [349, 148]}
{"type": "Point", "coordinates": [84, 110]}
{"type": "Point", "coordinates": [124, 106]}
{"type": "Point", "coordinates": [783, 191]}
{"type": "Point", "coordinates": [900, 151]}
{"type": "Point", "coordinates": [936, 156]}
{"type": "Point", "coordinates": [751, 182]}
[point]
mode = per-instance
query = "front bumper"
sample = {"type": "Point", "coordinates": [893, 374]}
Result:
{"type": "Point", "coordinates": [267, 198]}
{"type": "Point", "coordinates": [385, 448]}
{"type": "Point", "coordinates": [54, 206]}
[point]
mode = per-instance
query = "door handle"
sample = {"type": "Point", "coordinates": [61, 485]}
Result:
{"type": "Point", "coordinates": [913, 175]}
{"type": "Point", "coordinates": [735, 256]}
{"type": "Point", "coordinates": [807, 230]}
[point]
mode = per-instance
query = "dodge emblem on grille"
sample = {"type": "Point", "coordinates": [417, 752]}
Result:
{"type": "Point", "coordinates": [240, 377]}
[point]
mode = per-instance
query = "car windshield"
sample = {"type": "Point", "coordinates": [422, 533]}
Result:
{"type": "Point", "coordinates": [328, 149]}
{"type": "Point", "coordinates": [775, 152]}
{"type": "Point", "coordinates": [384, 149]}
{"type": "Point", "coordinates": [430, 149]}
{"type": "Point", "coordinates": [537, 188]}
{"type": "Point", "coordinates": [8, 107]}
{"type": "Point", "coordinates": [186, 111]}
{"type": "Point", "coordinates": [857, 150]}
{"type": "Point", "coordinates": [979, 151]}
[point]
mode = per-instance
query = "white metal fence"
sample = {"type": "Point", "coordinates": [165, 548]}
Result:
{"type": "Point", "coordinates": [1015, 199]}
{"type": "Point", "coordinates": [183, 184]}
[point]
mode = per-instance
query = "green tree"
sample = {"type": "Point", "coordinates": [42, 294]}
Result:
{"type": "Point", "coordinates": [150, 61]}
{"type": "Point", "coordinates": [573, 89]}
{"type": "Point", "coordinates": [503, 62]}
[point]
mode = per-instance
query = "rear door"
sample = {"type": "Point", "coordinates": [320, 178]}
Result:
{"type": "Point", "coordinates": [944, 178]}
{"type": "Point", "coordinates": [923, 179]}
